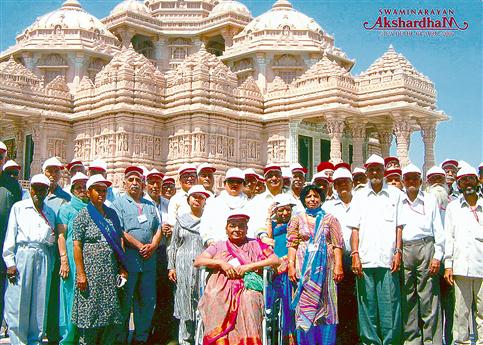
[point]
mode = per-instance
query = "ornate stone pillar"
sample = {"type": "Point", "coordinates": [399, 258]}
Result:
{"type": "Point", "coordinates": [161, 53]}
{"type": "Point", "coordinates": [385, 139]}
{"type": "Point", "coordinates": [402, 131]}
{"type": "Point", "coordinates": [228, 37]}
{"type": "Point", "coordinates": [261, 61]}
{"type": "Point", "coordinates": [19, 143]}
{"type": "Point", "coordinates": [76, 69]}
{"type": "Point", "coordinates": [40, 139]}
{"type": "Point", "coordinates": [294, 141]}
{"type": "Point", "coordinates": [126, 37]}
{"type": "Point", "coordinates": [335, 128]}
{"type": "Point", "coordinates": [428, 133]}
{"type": "Point", "coordinates": [358, 132]}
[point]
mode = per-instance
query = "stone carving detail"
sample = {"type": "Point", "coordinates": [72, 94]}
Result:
{"type": "Point", "coordinates": [428, 132]}
{"type": "Point", "coordinates": [402, 130]}
{"type": "Point", "coordinates": [56, 148]}
{"type": "Point", "coordinates": [276, 149]}
{"type": "Point", "coordinates": [335, 128]}
{"type": "Point", "coordinates": [82, 147]}
{"type": "Point", "coordinates": [122, 141]}
{"type": "Point", "coordinates": [224, 147]}
{"type": "Point", "coordinates": [143, 145]}
{"type": "Point", "coordinates": [105, 144]}
{"type": "Point", "coordinates": [187, 145]}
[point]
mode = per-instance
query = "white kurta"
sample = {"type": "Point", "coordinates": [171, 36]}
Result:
{"type": "Point", "coordinates": [213, 222]}
{"type": "Point", "coordinates": [178, 204]}
{"type": "Point", "coordinates": [27, 242]}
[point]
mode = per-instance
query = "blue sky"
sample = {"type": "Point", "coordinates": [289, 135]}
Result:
{"type": "Point", "coordinates": [454, 63]}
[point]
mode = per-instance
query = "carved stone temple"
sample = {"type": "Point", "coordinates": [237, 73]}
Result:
{"type": "Point", "coordinates": [165, 82]}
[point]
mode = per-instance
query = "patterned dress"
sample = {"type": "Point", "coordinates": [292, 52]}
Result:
{"type": "Point", "coordinates": [98, 305]}
{"type": "Point", "coordinates": [186, 245]}
{"type": "Point", "coordinates": [300, 229]}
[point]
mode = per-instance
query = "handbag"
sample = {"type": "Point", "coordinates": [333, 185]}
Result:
{"type": "Point", "coordinates": [253, 281]}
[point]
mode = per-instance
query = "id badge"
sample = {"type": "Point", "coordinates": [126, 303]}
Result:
{"type": "Point", "coordinates": [142, 218]}
{"type": "Point", "coordinates": [312, 247]}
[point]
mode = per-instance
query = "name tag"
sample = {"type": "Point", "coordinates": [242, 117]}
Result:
{"type": "Point", "coordinates": [142, 218]}
{"type": "Point", "coordinates": [312, 247]}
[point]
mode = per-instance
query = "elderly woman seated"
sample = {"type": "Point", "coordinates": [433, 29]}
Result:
{"type": "Point", "coordinates": [232, 304]}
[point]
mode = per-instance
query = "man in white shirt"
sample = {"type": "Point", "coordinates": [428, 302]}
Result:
{"type": "Point", "coordinates": [376, 244]}
{"type": "Point", "coordinates": [359, 178]}
{"type": "Point", "coordinates": [26, 252]}
{"type": "Point", "coordinates": [298, 182]}
{"type": "Point", "coordinates": [178, 204]}
{"type": "Point", "coordinates": [206, 176]}
{"type": "Point", "coordinates": [213, 221]}
{"type": "Point", "coordinates": [258, 207]}
{"type": "Point", "coordinates": [463, 227]}
{"type": "Point", "coordinates": [339, 208]}
{"type": "Point", "coordinates": [251, 181]}
{"type": "Point", "coordinates": [423, 248]}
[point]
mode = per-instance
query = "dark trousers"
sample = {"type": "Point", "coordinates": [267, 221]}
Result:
{"type": "Point", "coordinates": [164, 325]}
{"type": "Point", "coordinates": [347, 333]}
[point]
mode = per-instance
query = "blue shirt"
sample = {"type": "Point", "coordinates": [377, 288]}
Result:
{"type": "Point", "coordinates": [131, 217]}
{"type": "Point", "coordinates": [57, 199]}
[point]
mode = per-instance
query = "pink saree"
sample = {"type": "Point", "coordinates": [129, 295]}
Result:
{"type": "Point", "coordinates": [231, 313]}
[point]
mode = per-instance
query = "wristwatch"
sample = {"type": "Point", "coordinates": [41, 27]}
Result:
{"type": "Point", "coordinates": [398, 250]}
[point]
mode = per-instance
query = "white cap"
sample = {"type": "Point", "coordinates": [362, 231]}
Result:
{"type": "Point", "coordinates": [234, 173]}
{"type": "Point", "coordinates": [186, 167]}
{"type": "Point", "coordinates": [197, 188]}
{"type": "Point", "coordinates": [342, 173]}
{"type": "Point", "coordinates": [358, 171]}
{"type": "Point", "coordinates": [78, 177]}
{"type": "Point", "coordinates": [435, 170]}
{"type": "Point", "coordinates": [463, 163]}
{"type": "Point", "coordinates": [98, 164]}
{"type": "Point", "coordinates": [411, 168]}
{"type": "Point", "coordinates": [238, 213]}
{"type": "Point", "coordinates": [155, 172]}
{"type": "Point", "coordinates": [321, 174]}
{"type": "Point", "coordinates": [282, 199]}
{"type": "Point", "coordinates": [52, 162]}
{"type": "Point", "coordinates": [167, 179]}
{"type": "Point", "coordinates": [466, 170]}
{"type": "Point", "coordinates": [204, 166]}
{"type": "Point", "coordinates": [375, 159]}
{"type": "Point", "coordinates": [250, 172]}
{"type": "Point", "coordinates": [11, 164]}
{"type": "Point", "coordinates": [3, 147]}
{"type": "Point", "coordinates": [40, 179]}
{"type": "Point", "coordinates": [480, 166]}
{"type": "Point", "coordinates": [145, 170]}
{"type": "Point", "coordinates": [97, 179]}
{"type": "Point", "coordinates": [297, 167]}
{"type": "Point", "coordinates": [287, 173]}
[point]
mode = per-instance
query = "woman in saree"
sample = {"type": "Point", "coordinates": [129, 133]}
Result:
{"type": "Point", "coordinates": [315, 246]}
{"type": "Point", "coordinates": [280, 294]}
{"type": "Point", "coordinates": [232, 304]}
{"type": "Point", "coordinates": [65, 223]}
{"type": "Point", "coordinates": [100, 261]}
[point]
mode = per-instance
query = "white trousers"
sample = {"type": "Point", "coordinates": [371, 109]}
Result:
{"type": "Point", "coordinates": [26, 299]}
{"type": "Point", "coordinates": [467, 292]}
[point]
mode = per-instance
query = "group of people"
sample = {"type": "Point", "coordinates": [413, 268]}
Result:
{"type": "Point", "coordinates": [373, 255]}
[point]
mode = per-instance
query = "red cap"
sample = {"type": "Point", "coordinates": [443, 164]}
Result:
{"type": "Point", "coordinates": [390, 159]}
{"type": "Point", "coordinates": [393, 172]}
{"type": "Point", "coordinates": [167, 179]}
{"type": "Point", "coordinates": [133, 170]}
{"type": "Point", "coordinates": [270, 167]}
{"type": "Point", "coordinates": [73, 163]}
{"type": "Point", "coordinates": [449, 162]}
{"type": "Point", "coordinates": [325, 166]}
{"type": "Point", "coordinates": [342, 165]}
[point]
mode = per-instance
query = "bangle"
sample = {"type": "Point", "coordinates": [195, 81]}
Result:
{"type": "Point", "coordinates": [291, 261]}
{"type": "Point", "coordinates": [397, 250]}
{"type": "Point", "coordinates": [355, 252]}
{"type": "Point", "coordinates": [62, 255]}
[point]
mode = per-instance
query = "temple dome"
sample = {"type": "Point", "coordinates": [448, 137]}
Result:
{"type": "Point", "coordinates": [70, 16]}
{"type": "Point", "coordinates": [131, 6]}
{"type": "Point", "coordinates": [281, 16]}
{"type": "Point", "coordinates": [230, 6]}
